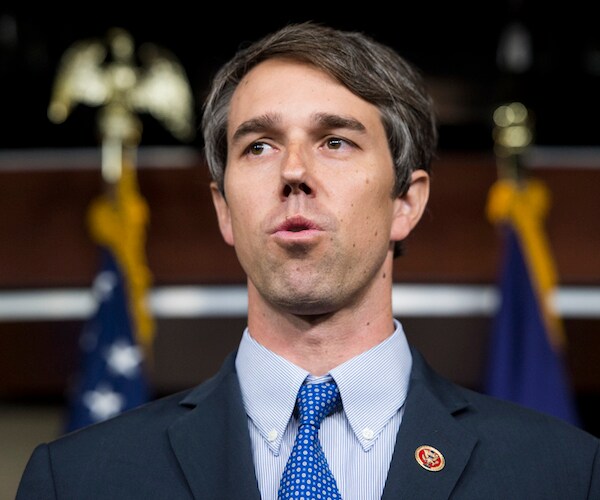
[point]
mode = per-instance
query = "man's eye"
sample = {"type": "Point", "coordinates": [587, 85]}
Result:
{"type": "Point", "coordinates": [257, 148]}
{"type": "Point", "coordinates": [335, 143]}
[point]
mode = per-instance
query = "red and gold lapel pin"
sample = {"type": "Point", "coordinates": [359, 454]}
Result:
{"type": "Point", "coordinates": [429, 458]}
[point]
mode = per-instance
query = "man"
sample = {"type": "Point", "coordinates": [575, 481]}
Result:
{"type": "Point", "coordinates": [319, 143]}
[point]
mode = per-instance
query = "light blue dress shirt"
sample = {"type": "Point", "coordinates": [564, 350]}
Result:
{"type": "Point", "coordinates": [358, 441]}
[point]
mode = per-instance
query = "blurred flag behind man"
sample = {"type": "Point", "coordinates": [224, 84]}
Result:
{"type": "Point", "coordinates": [527, 361]}
{"type": "Point", "coordinates": [113, 373]}
{"type": "Point", "coordinates": [115, 340]}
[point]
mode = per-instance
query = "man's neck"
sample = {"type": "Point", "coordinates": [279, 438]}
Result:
{"type": "Point", "coordinates": [319, 343]}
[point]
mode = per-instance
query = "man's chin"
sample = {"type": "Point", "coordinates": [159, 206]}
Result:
{"type": "Point", "coordinates": [305, 304]}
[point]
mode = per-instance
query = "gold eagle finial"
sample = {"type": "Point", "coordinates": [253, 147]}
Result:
{"type": "Point", "coordinates": [104, 73]}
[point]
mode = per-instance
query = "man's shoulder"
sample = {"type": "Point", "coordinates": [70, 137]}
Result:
{"type": "Point", "coordinates": [498, 420]}
{"type": "Point", "coordinates": [505, 423]}
{"type": "Point", "coordinates": [142, 422]}
{"type": "Point", "coordinates": [150, 420]}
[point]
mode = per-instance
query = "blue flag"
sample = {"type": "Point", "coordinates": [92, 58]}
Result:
{"type": "Point", "coordinates": [527, 362]}
{"type": "Point", "coordinates": [112, 377]}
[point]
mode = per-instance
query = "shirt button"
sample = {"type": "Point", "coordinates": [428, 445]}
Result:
{"type": "Point", "coordinates": [272, 436]}
{"type": "Point", "coordinates": [368, 433]}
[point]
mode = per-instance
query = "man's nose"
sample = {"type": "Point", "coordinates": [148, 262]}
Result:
{"type": "Point", "coordinates": [295, 173]}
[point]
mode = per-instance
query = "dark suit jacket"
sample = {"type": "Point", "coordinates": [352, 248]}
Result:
{"type": "Point", "coordinates": [196, 444]}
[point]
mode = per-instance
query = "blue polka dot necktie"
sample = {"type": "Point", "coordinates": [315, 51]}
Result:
{"type": "Point", "coordinates": [306, 474]}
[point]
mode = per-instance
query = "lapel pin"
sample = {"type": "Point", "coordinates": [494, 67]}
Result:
{"type": "Point", "coordinates": [429, 458]}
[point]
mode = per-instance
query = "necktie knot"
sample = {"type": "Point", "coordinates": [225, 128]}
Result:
{"type": "Point", "coordinates": [316, 401]}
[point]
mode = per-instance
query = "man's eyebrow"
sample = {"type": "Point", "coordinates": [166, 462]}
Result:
{"type": "Point", "coordinates": [269, 122]}
{"type": "Point", "coordinates": [328, 120]}
{"type": "Point", "coordinates": [256, 125]}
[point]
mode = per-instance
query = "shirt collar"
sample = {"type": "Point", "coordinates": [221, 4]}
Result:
{"type": "Point", "coordinates": [370, 400]}
{"type": "Point", "coordinates": [270, 383]}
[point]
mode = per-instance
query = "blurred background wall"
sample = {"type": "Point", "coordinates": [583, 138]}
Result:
{"type": "Point", "coordinates": [445, 292]}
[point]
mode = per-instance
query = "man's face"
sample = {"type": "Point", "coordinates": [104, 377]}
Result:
{"type": "Point", "coordinates": [308, 183]}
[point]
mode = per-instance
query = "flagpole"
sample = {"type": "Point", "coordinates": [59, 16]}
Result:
{"type": "Point", "coordinates": [513, 133]}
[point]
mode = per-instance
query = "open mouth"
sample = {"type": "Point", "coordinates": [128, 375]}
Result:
{"type": "Point", "coordinates": [297, 224]}
{"type": "Point", "coordinates": [297, 230]}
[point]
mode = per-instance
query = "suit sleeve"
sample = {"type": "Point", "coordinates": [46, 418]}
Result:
{"type": "Point", "coordinates": [37, 481]}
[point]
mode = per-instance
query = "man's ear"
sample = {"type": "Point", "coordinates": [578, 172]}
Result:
{"type": "Point", "coordinates": [223, 213]}
{"type": "Point", "coordinates": [409, 207]}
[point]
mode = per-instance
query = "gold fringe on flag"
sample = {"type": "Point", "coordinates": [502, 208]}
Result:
{"type": "Point", "coordinates": [117, 219]}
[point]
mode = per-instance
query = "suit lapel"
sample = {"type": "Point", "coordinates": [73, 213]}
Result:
{"type": "Point", "coordinates": [212, 443]}
{"type": "Point", "coordinates": [429, 420]}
